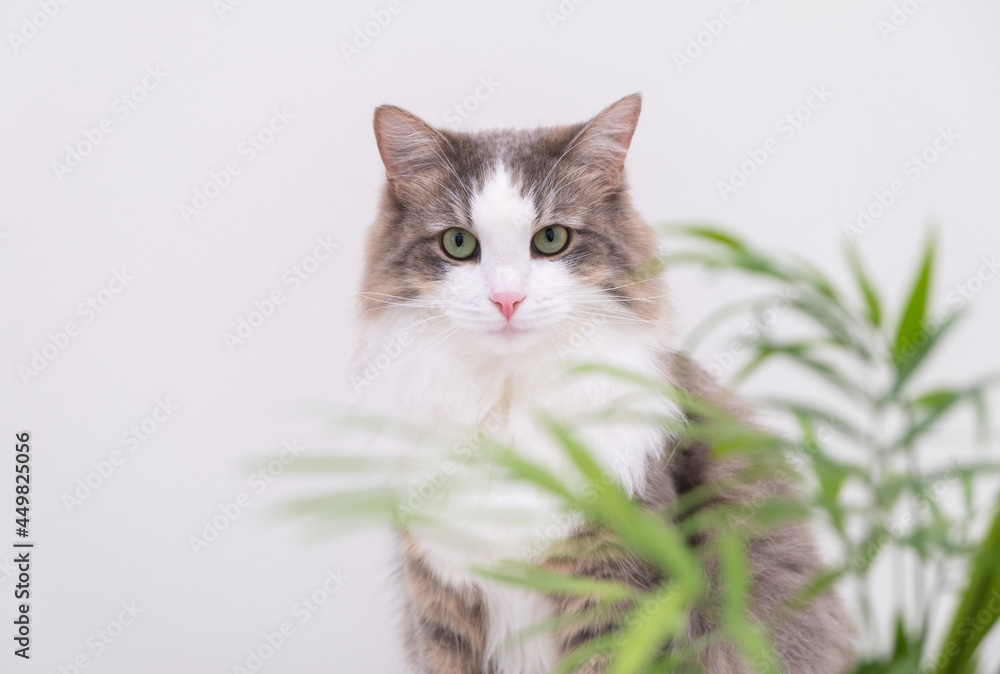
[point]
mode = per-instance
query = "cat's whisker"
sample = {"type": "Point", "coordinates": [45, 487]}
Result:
{"type": "Point", "coordinates": [620, 299]}
{"type": "Point", "coordinates": [572, 176]}
{"type": "Point", "coordinates": [616, 337]}
{"type": "Point", "coordinates": [604, 323]}
{"type": "Point", "coordinates": [321, 305]}
{"type": "Point", "coordinates": [404, 301]}
{"type": "Point", "coordinates": [372, 345]}
{"type": "Point", "coordinates": [366, 293]}
{"type": "Point", "coordinates": [393, 304]}
{"type": "Point", "coordinates": [597, 320]}
{"type": "Point", "coordinates": [553, 191]}
{"type": "Point", "coordinates": [444, 160]}
{"type": "Point", "coordinates": [420, 135]}
{"type": "Point", "coordinates": [424, 178]}
{"type": "Point", "coordinates": [448, 337]}
{"type": "Point", "coordinates": [600, 310]}
{"type": "Point", "coordinates": [434, 342]}
{"type": "Point", "coordinates": [615, 305]}
{"type": "Point", "coordinates": [624, 285]}
{"type": "Point", "coordinates": [671, 279]}
{"type": "Point", "coordinates": [575, 142]}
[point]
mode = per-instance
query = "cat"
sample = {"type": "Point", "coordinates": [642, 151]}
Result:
{"type": "Point", "coordinates": [497, 258]}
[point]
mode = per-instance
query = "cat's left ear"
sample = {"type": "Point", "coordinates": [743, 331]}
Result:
{"type": "Point", "coordinates": [604, 141]}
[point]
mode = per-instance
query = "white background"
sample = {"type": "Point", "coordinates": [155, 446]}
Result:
{"type": "Point", "coordinates": [61, 239]}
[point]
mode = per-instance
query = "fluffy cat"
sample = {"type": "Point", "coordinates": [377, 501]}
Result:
{"type": "Point", "coordinates": [496, 258]}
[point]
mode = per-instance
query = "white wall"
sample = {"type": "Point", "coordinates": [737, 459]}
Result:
{"type": "Point", "coordinates": [161, 337]}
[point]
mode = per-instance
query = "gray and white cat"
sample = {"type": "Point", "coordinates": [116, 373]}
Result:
{"type": "Point", "coordinates": [492, 252]}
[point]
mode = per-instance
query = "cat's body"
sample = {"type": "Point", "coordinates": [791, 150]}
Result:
{"type": "Point", "coordinates": [502, 257]}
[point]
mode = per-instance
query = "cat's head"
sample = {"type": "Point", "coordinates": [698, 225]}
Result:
{"type": "Point", "coordinates": [511, 236]}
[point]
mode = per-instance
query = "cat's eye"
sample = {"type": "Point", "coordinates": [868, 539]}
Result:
{"type": "Point", "coordinates": [551, 240]}
{"type": "Point", "coordinates": [459, 244]}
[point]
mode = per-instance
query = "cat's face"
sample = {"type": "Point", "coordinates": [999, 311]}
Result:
{"type": "Point", "coordinates": [512, 237]}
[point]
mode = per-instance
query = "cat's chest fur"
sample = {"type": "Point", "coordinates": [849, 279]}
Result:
{"type": "Point", "coordinates": [478, 400]}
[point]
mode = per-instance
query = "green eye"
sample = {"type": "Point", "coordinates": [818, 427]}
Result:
{"type": "Point", "coordinates": [459, 243]}
{"type": "Point", "coordinates": [551, 240]}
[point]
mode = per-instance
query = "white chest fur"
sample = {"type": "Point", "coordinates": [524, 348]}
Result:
{"type": "Point", "coordinates": [480, 516]}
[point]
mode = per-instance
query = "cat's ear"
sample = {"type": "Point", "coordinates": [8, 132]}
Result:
{"type": "Point", "coordinates": [604, 141]}
{"type": "Point", "coordinates": [415, 154]}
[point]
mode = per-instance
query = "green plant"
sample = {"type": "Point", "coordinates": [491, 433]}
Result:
{"type": "Point", "coordinates": [864, 478]}
{"type": "Point", "coordinates": [872, 360]}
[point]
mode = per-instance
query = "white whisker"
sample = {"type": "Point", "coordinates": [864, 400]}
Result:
{"type": "Point", "coordinates": [358, 352]}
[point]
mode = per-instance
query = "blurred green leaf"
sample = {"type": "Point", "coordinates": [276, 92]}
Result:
{"type": "Point", "coordinates": [745, 633]}
{"type": "Point", "coordinates": [715, 235]}
{"type": "Point", "coordinates": [979, 608]}
{"type": "Point", "coordinates": [644, 532]}
{"type": "Point", "coordinates": [643, 637]}
{"type": "Point", "coordinates": [909, 364]}
{"type": "Point", "coordinates": [933, 407]}
{"type": "Point", "coordinates": [911, 322]}
{"type": "Point", "coordinates": [868, 292]}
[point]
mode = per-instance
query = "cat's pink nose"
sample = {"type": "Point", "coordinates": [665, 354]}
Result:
{"type": "Point", "coordinates": [506, 302]}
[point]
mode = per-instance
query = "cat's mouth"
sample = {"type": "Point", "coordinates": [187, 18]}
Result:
{"type": "Point", "coordinates": [511, 331]}
{"type": "Point", "coordinates": [512, 337]}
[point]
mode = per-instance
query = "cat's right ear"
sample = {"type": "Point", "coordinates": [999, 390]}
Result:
{"type": "Point", "coordinates": [415, 154]}
{"type": "Point", "coordinates": [602, 144]}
